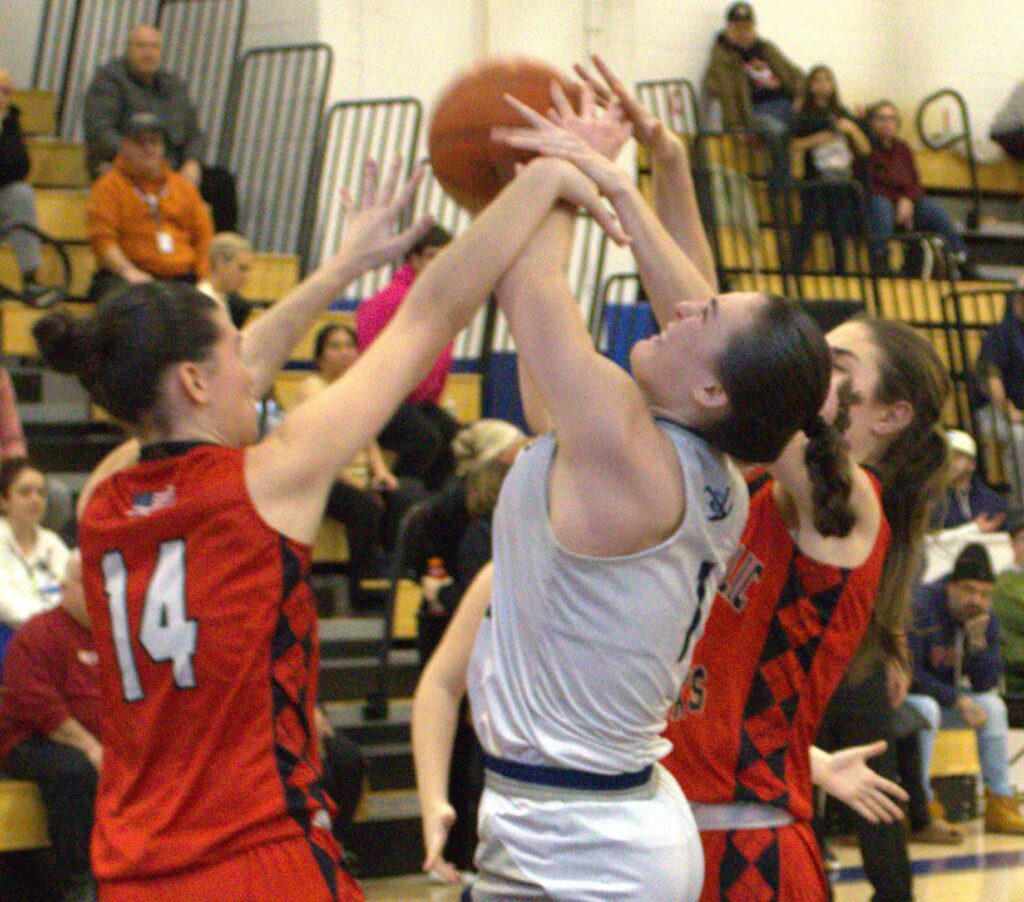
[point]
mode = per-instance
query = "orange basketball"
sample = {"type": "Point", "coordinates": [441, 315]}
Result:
{"type": "Point", "coordinates": [469, 165]}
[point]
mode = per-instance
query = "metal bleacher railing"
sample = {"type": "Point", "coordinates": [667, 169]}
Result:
{"type": "Point", "coordinates": [202, 39]}
{"type": "Point", "coordinates": [271, 134]}
{"type": "Point", "coordinates": [355, 131]}
{"type": "Point", "coordinates": [943, 122]}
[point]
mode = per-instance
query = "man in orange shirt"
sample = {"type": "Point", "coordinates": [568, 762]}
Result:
{"type": "Point", "coordinates": [145, 220]}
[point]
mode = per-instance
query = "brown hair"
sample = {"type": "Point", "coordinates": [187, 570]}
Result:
{"type": "Point", "coordinates": [783, 347]}
{"type": "Point", "coordinates": [121, 353]}
{"type": "Point", "coordinates": [913, 472]}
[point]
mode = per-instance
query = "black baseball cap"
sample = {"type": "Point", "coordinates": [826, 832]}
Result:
{"type": "Point", "coordinates": [143, 121]}
{"type": "Point", "coordinates": [740, 12]}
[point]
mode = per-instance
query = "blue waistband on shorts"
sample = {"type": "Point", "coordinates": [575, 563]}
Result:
{"type": "Point", "coordinates": [565, 778]}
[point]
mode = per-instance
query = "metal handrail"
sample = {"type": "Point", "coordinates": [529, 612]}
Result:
{"type": "Point", "coordinates": [964, 134]}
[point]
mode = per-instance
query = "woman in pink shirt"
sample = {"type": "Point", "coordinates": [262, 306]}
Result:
{"type": "Point", "coordinates": [421, 431]}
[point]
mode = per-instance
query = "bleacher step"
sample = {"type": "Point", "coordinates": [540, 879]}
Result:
{"type": "Point", "coordinates": [56, 163]}
{"type": "Point", "coordinates": [350, 678]}
{"type": "Point", "coordinates": [38, 111]}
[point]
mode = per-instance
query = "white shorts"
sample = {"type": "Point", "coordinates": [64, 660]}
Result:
{"type": "Point", "coordinates": [587, 846]}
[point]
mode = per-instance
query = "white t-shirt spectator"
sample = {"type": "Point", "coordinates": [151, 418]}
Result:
{"type": "Point", "coordinates": [30, 584]}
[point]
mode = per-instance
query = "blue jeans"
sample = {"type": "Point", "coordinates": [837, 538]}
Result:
{"type": "Point", "coordinates": [773, 118]}
{"type": "Point", "coordinates": [929, 216]}
{"type": "Point", "coordinates": [992, 738]}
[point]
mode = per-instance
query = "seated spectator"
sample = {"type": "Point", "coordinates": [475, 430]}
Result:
{"type": "Point", "coordinates": [1008, 126]}
{"type": "Point", "coordinates": [827, 139]}
{"type": "Point", "coordinates": [145, 220]}
{"type": "Point", "coordinates": [895, 196]}
{"type": "Point", "coordinates": [50, 729]}
{"type": "Point", "coordinates": [18, 200]}
{"type": "Point", "coordinates": [969, 500]}
{"type": "Point", "coordinates": [230, 261]}
{"type": "Point", "coordinates": [367, 497]}
{"type": "Point", "coordinates": [955, 639]}
{"type": "Point", "coordinates": [32, 558]}
{"type": "Point", "coordinates": [343, 777]}
{"type": "Point", "coordinates": [420, 432]}
{"type": "Point", "coordinates": [755, 84]}
{"type": "Point", "coordinates": [1008, 607]}
{"type": "Point", "coordinates": [1000, 369]}
{"type": "Point", "coordinates": [136, 84]}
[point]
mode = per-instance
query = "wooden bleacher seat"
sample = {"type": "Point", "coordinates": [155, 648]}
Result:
{"type": "Point", "coordinates": [947, 170]}
{"type": "Point", "coordinates": [407, 604]}
{"type": "Point", "coordinates": [954, 773]}
{"type": "Point", "coordinates": [56, 163]}
{"type": "Point", "coordinates": [16, 322]}
{"type": "Point", "coordinates": [272, 276]}
{"type": "Point", "coordinates": [61, 213]}
{"type": "Point", "coordinates": [331, 543]}
{"type": "Point", "coordinates": [22, 817]}
{"type": "Point", "coordinates": [38, 111]}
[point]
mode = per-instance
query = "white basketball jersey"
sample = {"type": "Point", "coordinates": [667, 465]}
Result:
{"type": "Point", "coordinates": [580, 658]}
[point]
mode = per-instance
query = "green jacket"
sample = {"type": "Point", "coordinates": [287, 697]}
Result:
{"type": "Point", "coordinates": [727, 81]}
{"type": "Point", "coordinates": [1008, 607]}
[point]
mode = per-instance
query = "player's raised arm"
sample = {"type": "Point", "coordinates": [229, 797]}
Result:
{"type": "Point", "coordinates": [267, 341]}
{"type": "Point", "coordinates": [614, 468]}
{"type": "Point", "coordinates": [667, 272]}
{"type": "Point", "coordinates": [291, 470]}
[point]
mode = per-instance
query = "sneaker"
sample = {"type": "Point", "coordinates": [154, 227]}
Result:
{"type": "Point", "coordinates": [1002, 815]}
{"type": "Point", "coordinates": [41, 297]}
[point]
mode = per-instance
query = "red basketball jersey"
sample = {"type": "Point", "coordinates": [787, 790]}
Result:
{"type": "Point", "coordinates": [781, 632]}
{"type": "Point", "coordinates": [207, 637]}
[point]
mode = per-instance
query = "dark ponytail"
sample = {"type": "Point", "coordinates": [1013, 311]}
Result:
{"type": "Point", "coordinates": [120, 353]}
{"type": "Point", "coordinates": [828, 466]}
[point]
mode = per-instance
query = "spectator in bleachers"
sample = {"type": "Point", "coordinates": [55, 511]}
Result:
{"type": "Point", "coordinates": [955, 639]}
{"type": "Point", "coordinates": [18, 200]}
{"type": "Point", "coordinates": [969, 500]}
{"type": "Point", "coordinates": [1008, 126]}
{"type": "Point", "coordinates": [145, 220]}
{"type": "Point", "coordinates": [343, 777]}
{"type": "Point", "coordinates": [50, 728]}
{"type": "Point", "coordinates": [32, 558]}
{"type": "Point", "coordinates": [421, 431]}
{"type": "Point", "coordinates": [135, 83]}
{"type": "Point", "coordinates": [1008, 607]}
{"type": "Point", "coordinates": [896, 198]}
{"type": "Point", "coordinates": [755, 84]}
{"type": "Point", "coordinates": [828, 139]}
{"type": "Point", "coordinates": [230, 261]}
{"type": "Point", "coordinates": [366, 497]}
{"type": "Point", "coordinates": [1000, 369]}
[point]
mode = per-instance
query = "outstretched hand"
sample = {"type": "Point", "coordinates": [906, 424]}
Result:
{"type": "Point", "coordinates": [848, 778]}
{"type": "Point", "coordinates": [436, 827]}
{"type": "Point", "coordinates": [371, 235]}
{"type": "Point", "coordinates": [648, 129]}
{"type": "Point", "coordinates": [553, 138]}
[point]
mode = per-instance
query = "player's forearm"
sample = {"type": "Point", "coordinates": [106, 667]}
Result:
{"type": "Point", "coordinates": [435, 713]}
{"type": "Point", "coordinates": [668, 273]}
{"type": "Point", "coordinates": [675, 202]}
{"type": "Point", "coordinates": [268, 341]}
